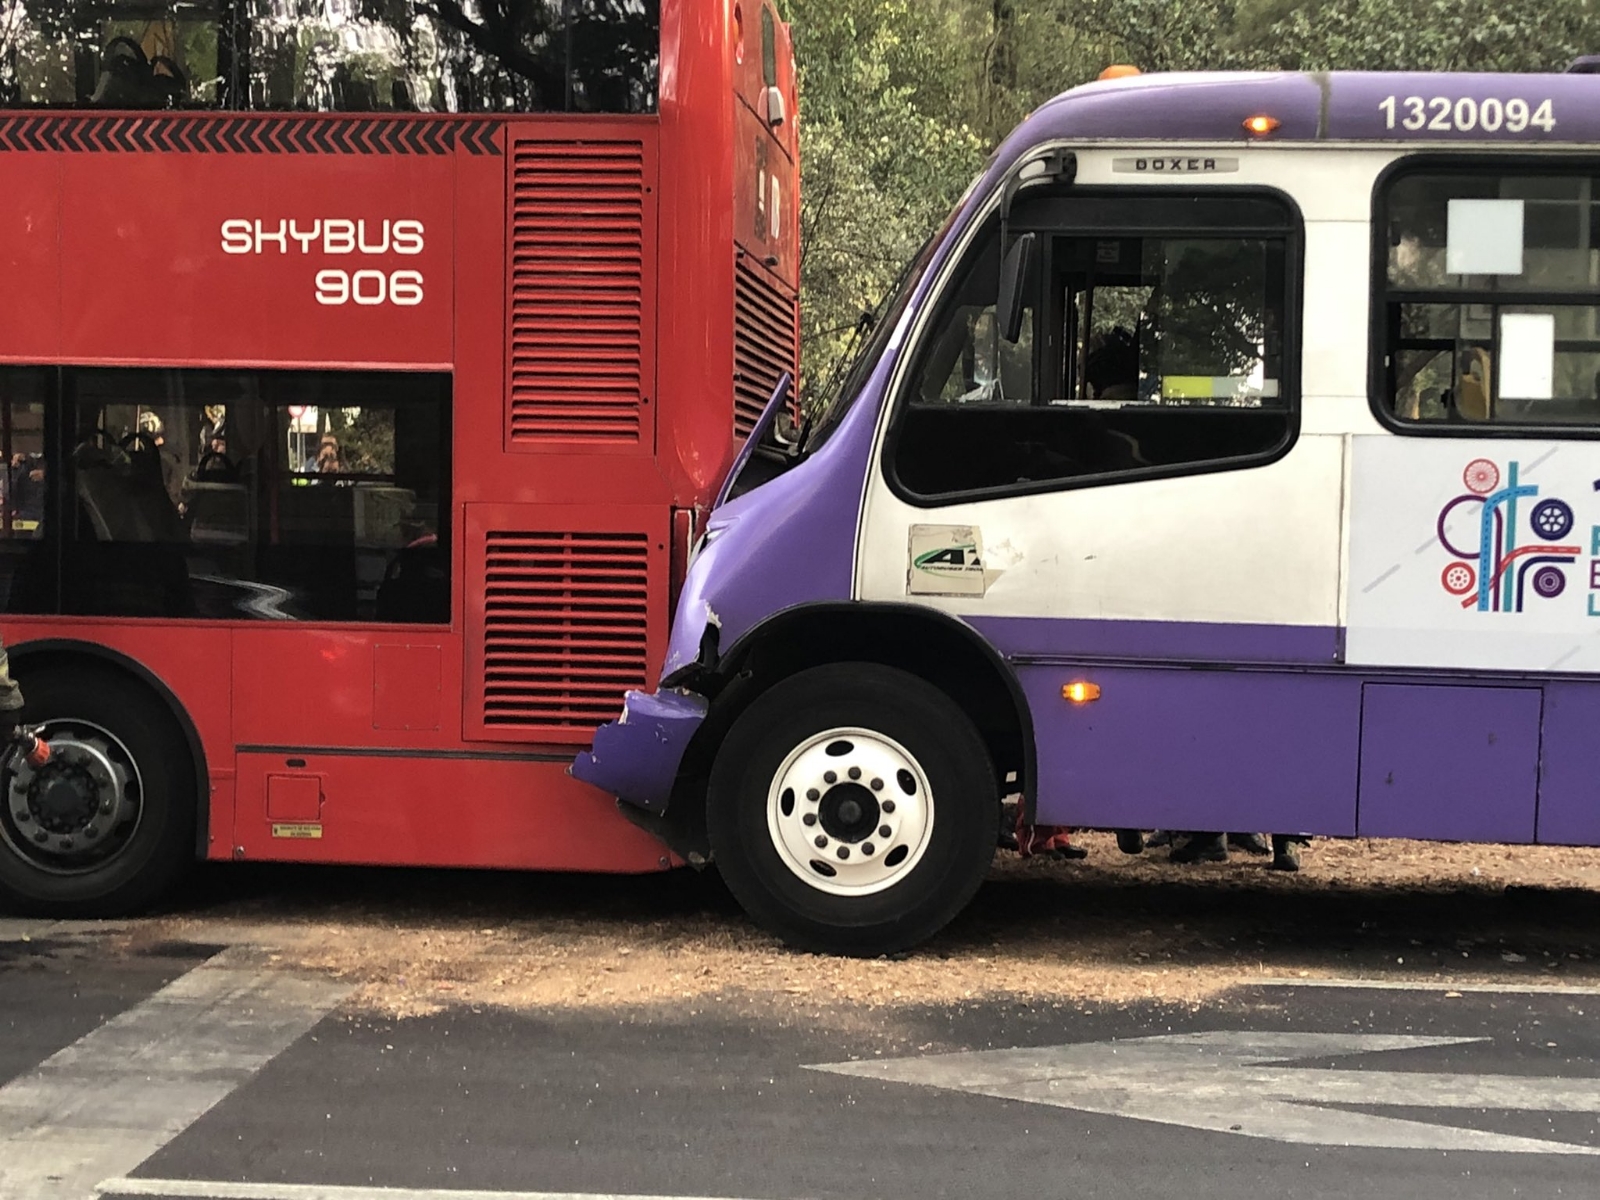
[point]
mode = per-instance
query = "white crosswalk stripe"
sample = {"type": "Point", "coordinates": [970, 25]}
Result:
{"type": "Point", "coordinates": [104, 1104]}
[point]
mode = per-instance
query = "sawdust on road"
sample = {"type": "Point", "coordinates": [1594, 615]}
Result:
{"type": "Point", "coordinates": [1109, 929]}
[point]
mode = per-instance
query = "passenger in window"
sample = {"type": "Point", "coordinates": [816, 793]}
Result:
{"type": "Point", "coordinates": [25, 488]}
{"type": "Point", "coordinates": [326, 461]}
{"type": "Point", "coordinates": [1111, 368]}
{"type": "Point", "coordinates": [1472, 387]}
{"type": "Point", "coordinates": [153, 435]}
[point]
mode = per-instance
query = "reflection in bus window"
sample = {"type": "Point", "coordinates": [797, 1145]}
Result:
{"type": "Point", "coordinates": [1137, 353]}
{"type": "Point", "coordinates": [1449, 308]}
{"type": "Point", "coordinates": [188, 495]}
{"type": "Point", "coordinates": [431, 56]}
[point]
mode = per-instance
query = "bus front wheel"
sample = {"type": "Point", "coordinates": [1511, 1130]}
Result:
{"type": "Point", "coordinates": [853, 809]}
{"type": "Point", "coordinates": [107, 824]}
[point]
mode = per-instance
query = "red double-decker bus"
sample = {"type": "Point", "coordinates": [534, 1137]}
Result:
{"type": "Point", "coordinates": [360, 381]}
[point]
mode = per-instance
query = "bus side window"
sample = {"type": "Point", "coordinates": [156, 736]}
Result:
{"type": "Point", "coordinates": [1487, 298]}
{"type": "Point", "coordinates": [769, 48]}
{"type": "Point", "coordinates": [1142, 351]}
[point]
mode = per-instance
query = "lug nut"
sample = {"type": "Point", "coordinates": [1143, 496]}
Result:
{"type": "Point", "coordinates": [22, 818]}
{"type": "Point", "coordinates": [867, 848]}
{"type": "Point", "coordinates": [830, 777]}
{"type": "Point", "coordinates": [844, 851]}
{"type": "Point", "coordinates": [855, 772]}
{"type": "Point", "coordinates": [813, 795]}
{"type": "Point", "coordinates": [106, 807]}
{"type": "Point", "coordinates": [821, 841]}
{"type": "Point", "coordinates": [877, 785]}
{"type": "Point", "coordinates": [91, 833]}
{"type": "Point", "coordinates": [888, 806]}
{"type": "Point", "coordinates": [884, 831]}
{"type": "Point", "coordinates": [809, 819]}
{"type": "Point", "coordinates": [41, 837]}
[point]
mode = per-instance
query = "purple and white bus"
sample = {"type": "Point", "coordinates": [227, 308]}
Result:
{"type": "Point", "coordinates": [1229, 460]}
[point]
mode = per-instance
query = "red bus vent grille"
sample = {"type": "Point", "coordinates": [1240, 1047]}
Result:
{"type": "Point", "coordinates": [764, 345]}
{"type": "Point", "coordinates": [565, 628]}
{"type": "Point", "coordinates": [582, 291]}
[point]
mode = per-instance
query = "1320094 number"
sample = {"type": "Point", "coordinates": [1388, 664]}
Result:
{"type": "Point", "coordinates": [1466, 115]}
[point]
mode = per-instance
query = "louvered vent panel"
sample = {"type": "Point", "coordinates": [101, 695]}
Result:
{"type": "Point", "coordinates": [763, 342]}
{"type": "Point", "coordinates": [565, 629]}
{"type": "Point", "coordinates": [580, 353]}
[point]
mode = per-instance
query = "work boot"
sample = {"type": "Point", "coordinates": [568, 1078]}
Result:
{"type": "Point", "coordinates": [1130, 841]}
{"type": "Point", "coordinates": [1201, 847]}
{"type": "Point", "coordinates": [1285, 853]}
{"type": "Point", "coordinates": [1250, 843]}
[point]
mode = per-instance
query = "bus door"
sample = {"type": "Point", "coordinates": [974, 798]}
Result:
{"type": "Point", "coordinates": [1475, 516]}
{"type": "Point", "coordinates": [1114, 492]}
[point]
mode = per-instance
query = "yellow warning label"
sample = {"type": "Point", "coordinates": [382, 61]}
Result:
{"type": "Point", "coordinates": [297, 831]}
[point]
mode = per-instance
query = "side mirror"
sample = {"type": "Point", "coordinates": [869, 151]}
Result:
{"type": "Point", "coordinates": [1014, 272]}
{"type": "Point", "coordinates": [776, 111]}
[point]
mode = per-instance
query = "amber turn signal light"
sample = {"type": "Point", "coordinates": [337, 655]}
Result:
{"type": "Point", "coordinates": [1119, 71]}
{"type": "Point", "coordinates": [1261, 124]}
{"type": "Point", "coordinates": [1080, 692]}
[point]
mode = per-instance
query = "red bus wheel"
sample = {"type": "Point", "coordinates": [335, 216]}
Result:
{"type": "Point", "coordinates": [107, 824]}
{"type": "Point", "coordinates": [853, 809]}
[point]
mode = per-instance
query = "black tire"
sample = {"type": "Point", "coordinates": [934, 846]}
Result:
{"type": "Point", "coordinates": [159, 845]}
{"type": "Point", "coordinates": [960, 844]}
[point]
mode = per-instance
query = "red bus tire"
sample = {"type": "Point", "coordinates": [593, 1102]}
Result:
{"type": "Point", "coordinates": [108, 824]}
{"type": "Point", "coordinates": [852, 810]}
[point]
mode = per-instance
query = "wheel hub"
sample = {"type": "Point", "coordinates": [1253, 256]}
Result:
{"type": "Point", "coordinates": [64, 798]}
{"type": "Point", "coordinates": [850, 811]}
{"type": "Point", "coordinates": [77, 811]}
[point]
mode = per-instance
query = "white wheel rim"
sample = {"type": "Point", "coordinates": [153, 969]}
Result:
{"type": "Point", "coordinates": [850, 812]}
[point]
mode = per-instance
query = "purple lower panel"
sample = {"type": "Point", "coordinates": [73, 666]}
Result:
{"type": "Point", "coordinates": [1244, 751]}
{"type": "Point", "coordinates": [1452, 764]}
{"type": "Point", "coordinates": [636, 757]}
{"type": "Point", "coordinates": [1172, 641]}
{"type": "Point", "coordinates": [1569, 782]}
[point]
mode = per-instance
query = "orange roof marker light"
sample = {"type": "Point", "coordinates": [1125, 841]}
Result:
{"type": "Point", "coordinates": [1260, 125]}
{"type": "Point", "coordinates": [1119, 71]}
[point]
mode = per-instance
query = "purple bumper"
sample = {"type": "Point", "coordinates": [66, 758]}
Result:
{"type": "Point", "coordinates": [636, 757]}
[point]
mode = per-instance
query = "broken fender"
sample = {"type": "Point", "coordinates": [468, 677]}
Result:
{"type": "Point", "coordinates": [636, 757]}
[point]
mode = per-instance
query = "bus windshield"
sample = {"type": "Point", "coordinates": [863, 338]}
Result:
{"type": "Point", "coordinates": [434, 56]}
{"type": "Point", "coordinates": [881, 323]}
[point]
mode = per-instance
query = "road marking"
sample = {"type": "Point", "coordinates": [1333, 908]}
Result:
{"type": "Point", "coordinates": [199, 1189]}
{"type": "Point", "coordinates": [104, 1104]}
{"type": "Point", "coordinates": [1429, 985]}
{"type": "Point", "coordinates": [1230, 1082]}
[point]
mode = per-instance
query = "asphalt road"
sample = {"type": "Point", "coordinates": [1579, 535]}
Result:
{"type": "Point", "coordinates": [204, 1071]}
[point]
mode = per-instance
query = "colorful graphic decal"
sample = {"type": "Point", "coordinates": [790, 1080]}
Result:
{"type": "Point", "coordinates": [1523, 541]}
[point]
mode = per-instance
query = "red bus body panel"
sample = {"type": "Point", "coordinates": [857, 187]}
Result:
{"type": "Point", "coordinates": [122, 238]}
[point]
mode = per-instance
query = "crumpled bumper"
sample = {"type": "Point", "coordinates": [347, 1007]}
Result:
{"type": "Point", "coordinates": [636, 757]}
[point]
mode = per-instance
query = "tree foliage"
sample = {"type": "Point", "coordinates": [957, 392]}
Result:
{"type": "Point", "coordinates": [902, 99]}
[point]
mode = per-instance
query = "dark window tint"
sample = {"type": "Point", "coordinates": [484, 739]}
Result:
{"type": "Point", "coordinates": [322, 56]}
{"type": "Point", "coordinates": [270, 495]}
{"type": "Point", "coordinates": [1488, 297]}
{"type": "Point", "coordinates": [25, 489]}
{"type": "Point", "coordinates": [1141, 351]}
{"type": "Point", "coordinates": [769, 48]}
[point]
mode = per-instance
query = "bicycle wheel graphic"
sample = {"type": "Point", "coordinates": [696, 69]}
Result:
{"type": "Point", "coordinates": [1459, 579]}
{"type": "Point", "coordinates": [1481, 476]}
{"type": "Point", "coordinates": [1549, 582]}
{"type": "Point", "coordinates": [1552, 520]}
